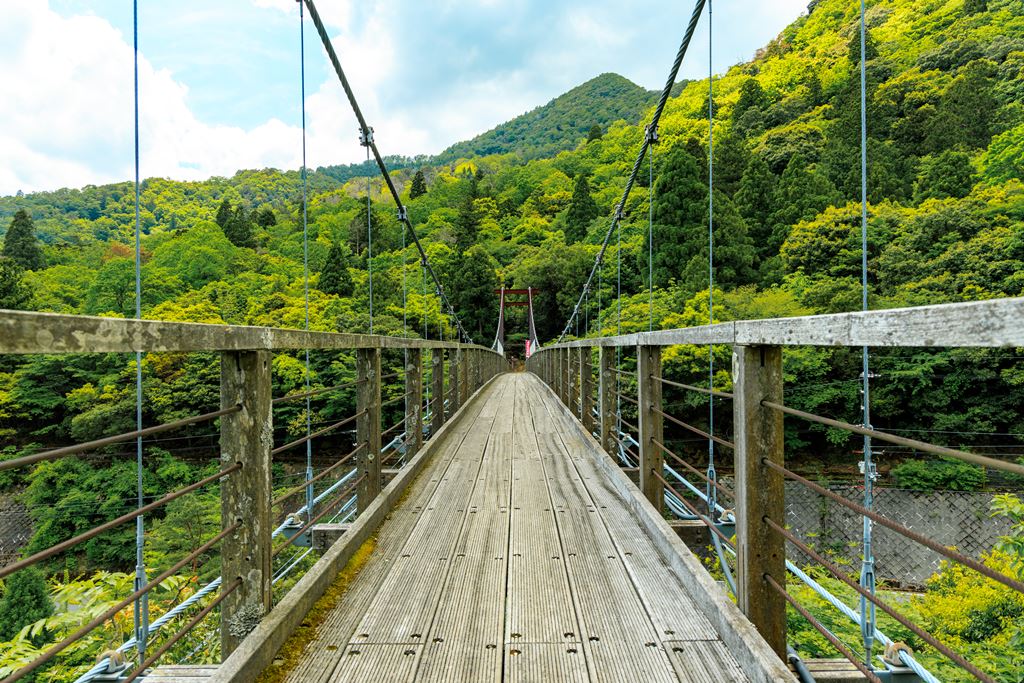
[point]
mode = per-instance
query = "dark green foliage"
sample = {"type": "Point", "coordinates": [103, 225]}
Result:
{"type": "Point", "coordinates": [975, 6]}
{"type": "Point", "coordinates": [800, 195]}
{"type": "Point", "coordinates": [964, 117]}
{"type": "Point", "coordinates": [20, 243]}
{"type": "Point", "coordinates": [224, 213]}
{"type": "Point", "coordinates": [731, 159]}
{"type": "Point", "coordinates": [734, 252]}
{"type": "Point", "coordinates": [418, 187]}
{"type": "Point", "coordinates": [945, 474]}
{"type": "Point", "coordinates": [947, 174]}
{"type": "Point", "coordinates": [680, 209]}
{"type": "Point", "coordinates": [335, 277]}
{"type": "Point", "coordinates": [26, 600]}
{"type": "Point", "coordinates": [562, 122]}
{"type": "Point", "coordinates": [596, 133]}
{"type": "Point", "coordinates": [14, 294]}
{"type": "Point", "coordinates": [359, 231]}
{"type": "Point", "coordinates": [473, 282]}
{"type": "Point", "coordinates": [582, 210]}
{"type": "Point", "coordinates": [755, 201]}
{"type": "Point", "coordinates": [238, 228]}
{"type": "Point", "coordinates": [265, 217]}
{"type": "Point", "coordinates": [751, 97]}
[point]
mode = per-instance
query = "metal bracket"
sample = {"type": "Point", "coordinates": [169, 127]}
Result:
{"type": "Point", "coordinates": [874, 470]}
{"type": "Point", "coordinates": [650, 135]}
{"type": "Point", "coordinates": [291, 529]}
{"type": "Point", "coordinates": [403, 214]}
{"type": "Point", "coordinates": [618, 212]}
{"type": "Point", "coordinates": [366, 136]}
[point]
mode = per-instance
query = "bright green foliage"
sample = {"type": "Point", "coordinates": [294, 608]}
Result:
{"type": "Point", "coordinates": [947, 174]}
{"type": "Point", "coordinates": [335, 277]}
{"type": "Point", "coordinates": [25, 600]}
{"type": "Point", "coordinates": [1004, 158]}
{"type": "Point", "coordinates": [582, 210]}
{"type": "Point", "coordinates": [946, 474]}
{"type": "Point", "coordinates": [418, 187]}
{"type": "Point", "coordinates": [20, 243]}
{"type": "Point", "coordinates": [14, 294]}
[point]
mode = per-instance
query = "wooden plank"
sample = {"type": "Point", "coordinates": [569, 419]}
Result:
{"type": "Point", "coordinates": [260, 647]}
{"type": "Point", "coordinates": [31, 332]}
{"type": "Point", "coordinates": [704, 661]}
{"type": "Point", "coordinates": [322, 653]}
{"type": "Point", "coordinates": [545, 663]}
{"type": "Point", "coordinates": [389, 662]}
{"type": "Point", "coordinates": [996, 323]}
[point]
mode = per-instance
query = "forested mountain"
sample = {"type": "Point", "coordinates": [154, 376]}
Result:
{"type": "Point", "coordinates": [585, 111]}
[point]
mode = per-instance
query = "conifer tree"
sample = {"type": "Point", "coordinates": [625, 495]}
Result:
{"type": "Point", "coordinates": [20, 243]}
{"type": "Point", "coordinates": [802, 193]}
{"type": "Point", "coordinates": [473, 282]}
{"type": "Point", "coordinates": [238, 228]}
{"type": "Point", "coordinates": [680, 208]}
{"type": "Point", "coordinates": [224, 213]}
{"type": "Point", "coordinates": [582, 210]}
{"type": "Point", "coordinates": [26, 600]}
{"type": "Point", "coordinates": [467, 221]}
{"type": "Point", "coordinates": [14, 295]}
{"type": "Point", "coordinates": [418, 188]}
{"type": "Point", "coordinates": [265, 217]}
{"type": "Point", "coordinates": [335, 277]}
{"type": "Point", "coordinates": [596, 133]}
{"type": "Point", "coordinates": [948, 174]}
{"type": "Point", "coordinates": [734, 251]}
{"type": "Point", "coordinates": [755, 202]}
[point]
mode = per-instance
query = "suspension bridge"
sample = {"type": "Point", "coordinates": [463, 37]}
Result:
{"type": "Point", "coordinates": [511, 525]}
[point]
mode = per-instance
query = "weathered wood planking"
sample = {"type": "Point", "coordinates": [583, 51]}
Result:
{"type": "Point", "coordinates": [522, 563]}
{"type": "Point", "coordinates": [997, 323]}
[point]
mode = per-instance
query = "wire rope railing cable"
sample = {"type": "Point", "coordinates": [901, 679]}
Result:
{"type": "Point", "coordinates": [655, 118]}
{"type": "Point", "coordinates": [372, 146]}
{"type": "Point", "coordinates": [106, 526]}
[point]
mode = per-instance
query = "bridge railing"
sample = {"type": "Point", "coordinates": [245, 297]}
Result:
{"type": "Point", "coordinates": [256, 527]}
{"type": "Point", "coordinates": [629, 380]}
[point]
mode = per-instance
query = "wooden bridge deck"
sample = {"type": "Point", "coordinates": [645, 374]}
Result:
{"type": "Point", "coordinates": [512, 559]}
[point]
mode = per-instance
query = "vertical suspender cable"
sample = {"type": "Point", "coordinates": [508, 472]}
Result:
{"type": "Point", "coordinates": [369, 241]}
{"type": "Point", "coordinates": [142, 602]}
{"type": "Point", "coordinates": [650, 243]}
{"type": "Point", "coordinates": [867, 576]}
{"type": "Point", "coordinates": [305, 259]}
{"type": "Point", "coordinates": [712, 476]}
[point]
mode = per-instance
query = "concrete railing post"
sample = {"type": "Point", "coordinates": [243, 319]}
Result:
{"type": "Point", "coordinates": [464, 376]}
{"type": "Point", "coordinates": [368, 425]}
{"type": "Point", "coordinates": [651, 423]}
{"type": "Point", "coordinates": [606, 396]}
{"type": "Point", "coordinates": [413, 400]}
{"type": "Point", "coordinates": [246, 437]}
{"type": "Point", "coordinates": [587, 388]}
{"type": "Point", "coordinates": [437, 380]}
{"type": "Point", "coordinates": [757, 376]}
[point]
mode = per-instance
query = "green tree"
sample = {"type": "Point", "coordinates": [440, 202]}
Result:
{"type": "Point", "coordinates": [731, 159]}
{"type": "Point", "coordinates": [224, 213]}
{"type": "Point", "coordinates": [947, 174]}
{"type": "Point", "coordinates": [467, 220]}
{"type": "Point", "coordinates": [595, 133]}
{"type": "Point", "coordinates": [14, 295]}
{"type": "Point", "coordinates": [26, 600]}
{"type": "Point", "coordinates": [20, 243]}
{"type": "Point", "coordinates": [238, 228]}
{"type": "Point", "coordinates": [335, 277]}
{"type": "Point", "coordinates": [418, 187]}
{"type": "Point", "coordinates": [265, 217]}
{"type": "Point", "coordinates": [751, 97]}
{"type": "Point", "coordinates": [802, 194]}
{"type": "Point", "coordinates": [582, 210]}
{"type": "Point", "coordinates": [755, 202]}
{"type": "Point", "coordinates": [680, 209]}
{"type": "Point", "coordinates": [471, 292]}
{"type": "Point", "coordinates": [733, 262]}
{"type": "Point", "coordinates": [975, 6]}
{"type": "Point", "coordinates": [966, 113]}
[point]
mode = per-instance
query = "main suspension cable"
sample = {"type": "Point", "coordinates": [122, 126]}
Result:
{"type": "Point", "coordinates": [653, 126]}
{"type": "Point", "coordinates": [367, 133]}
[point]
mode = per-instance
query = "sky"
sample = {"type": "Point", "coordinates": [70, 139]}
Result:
{"type": "Point", "coordinates": [220, 81]}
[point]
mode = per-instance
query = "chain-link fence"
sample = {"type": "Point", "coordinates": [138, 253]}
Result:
{"type": "Point", "coordinates": [954, 518]}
